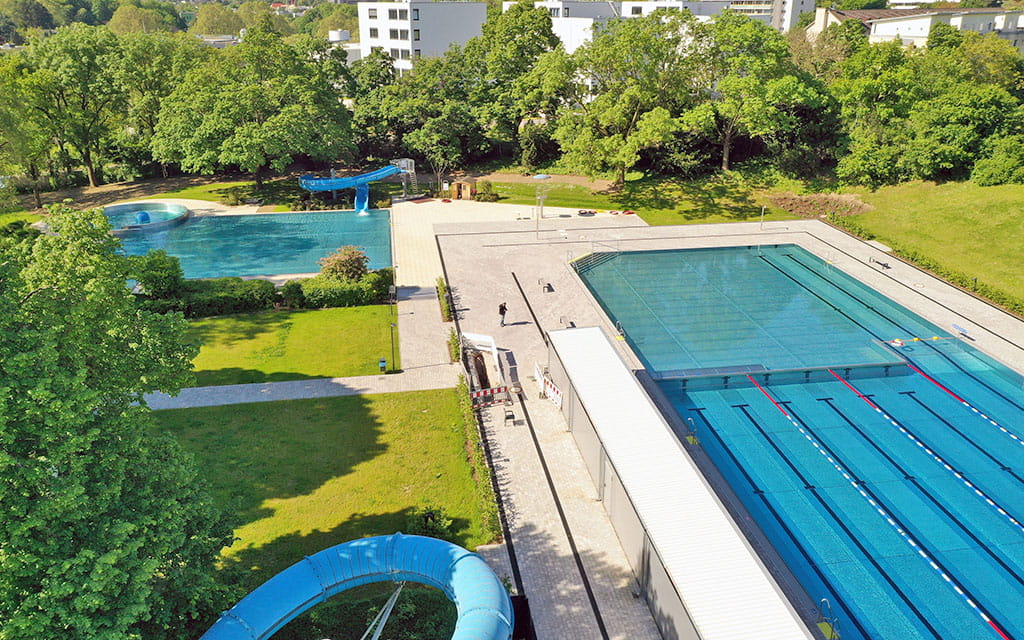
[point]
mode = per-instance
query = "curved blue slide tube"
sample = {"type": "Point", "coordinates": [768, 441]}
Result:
{"type": "Point", "coordinates": [483, 603]}
{"type": "Point", "coordinates": [360, 182]}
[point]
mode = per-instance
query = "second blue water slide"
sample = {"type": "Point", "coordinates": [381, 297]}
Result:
{"type": "Point", "coordinates": [360, 182]}
{"type": "Point", "coordinates": [483, 604]}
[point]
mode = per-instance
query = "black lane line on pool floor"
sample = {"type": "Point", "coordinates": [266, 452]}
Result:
{"type": "Point", "coordinates": [842, 525]}
{"type": "Point", "coordinates": [906, 476]}
{"type": "Point", "coordinates": [757, 491]}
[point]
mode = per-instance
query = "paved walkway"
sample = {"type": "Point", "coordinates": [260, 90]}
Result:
{"type": "Point", "coordinates": [421, 338]}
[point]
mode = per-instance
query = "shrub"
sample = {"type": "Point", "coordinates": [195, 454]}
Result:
{"type": "Point", "coordinates": [454, 346]}
{"type": "Point", "coordinates": [430, 520]}
{"type": "Point", "coordinates": [322, 292]}
{"type": "Point", "coordinates": [159, 274]}
{"type": "Point", "coordinates": [444, 299]}
{"type": "Point", "coordinates": [232, 197]}
{"type": "Point", "coordinates": [348, 263]}
{"type": "Point", "coordinates": [291, 294]}
{"type": "Point", "coordinates": [383, 203]}
{"type": "Point", "coordinates": [379, 281]}
{"type": "Point", "coordinates": [1003, 165]}
{"type": "Point", "coordinates": [478, 463]}
{"type": "Point", "coordinates": [221, 296]}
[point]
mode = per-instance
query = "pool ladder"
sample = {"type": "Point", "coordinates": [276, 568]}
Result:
{"type": "Point", "coordinates": [828, 624]}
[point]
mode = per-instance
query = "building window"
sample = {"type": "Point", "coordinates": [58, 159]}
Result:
{"type": "Point", "coordinates": [373, 32]}
{"type": "Point", "coordinates": [403, 14]}
{"type": "Point", "coordinates": [392, 14]}
{"type": "Point", "coordinates": [416, 34]}
{"type": "Point", "coordinates": [415, 14]}
{"type": "Point", "coordinates": [565, 12]}
{"type": "Point", "coordinates": [553, 12]}
{"type": "Point", "coordinates": [395, 54]}
{"type": "Point", "coordinates": [404, 54]}
{"type": "Point", "coordinates": [636, 11]}
{"type": "Point", "coordinates": [372, 14]}
{"type": "Point", "coordinates": [393, 34]}
{"type": "Point", "coordinates": [416, 53]}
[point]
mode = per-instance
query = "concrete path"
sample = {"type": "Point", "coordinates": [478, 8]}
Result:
{"type": "Point", "coordinates": [424, 357]}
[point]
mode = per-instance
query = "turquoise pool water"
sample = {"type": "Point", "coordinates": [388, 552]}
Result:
{"type": "Point", "coordinates": [267, 244]}
{"type": "Point", "coordinates": [889, 477]}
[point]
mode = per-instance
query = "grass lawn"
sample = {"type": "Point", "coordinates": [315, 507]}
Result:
{"type": "Point", "coordinates": [978, 231]}
{"type": "Point", "coordinates": [659, 201]}
{"type": "Point", "coordinates": [14, 216]}
{"type": "Point", "coordinates": [270, 346]}
{"type": "Point", "coordinates": [278, 193]}
{"type": "Point", "coordinates": [299, 476]}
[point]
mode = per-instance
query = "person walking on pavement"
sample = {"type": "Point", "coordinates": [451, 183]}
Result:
{"type": "Point", "coordinates": [502, 310]}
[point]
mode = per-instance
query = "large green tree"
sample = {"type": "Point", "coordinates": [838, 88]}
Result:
{"type": "Point", "coordinates": [70, 81]}
{"type": "Point", "coordinates": [256, 106]}
{"type": "Point", "coordinates": [749, 84]}
{"type": "Point", "coordinates": [105, 531]}
{"type": "Point", "coordinates": [150, 67]}
{"type": "Point", "coordinates": [611, 106]}
{"type": "Point", "coordinates": [25, 137]}
{"type": "Point", "coordinates": [216, 19]}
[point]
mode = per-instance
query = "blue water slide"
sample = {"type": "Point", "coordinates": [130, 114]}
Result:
{"type": "Point", "coordinates": [360, 182]}
{"type": "Point", "coordinates": [483, 604]}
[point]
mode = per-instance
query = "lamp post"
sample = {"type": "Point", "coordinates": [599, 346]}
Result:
{"type": "Point", "coordinates": [541, 195]}
{"type": "Point", "coordinates": [392, 347]}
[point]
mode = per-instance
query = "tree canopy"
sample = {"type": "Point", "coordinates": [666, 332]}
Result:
{"type": "Point", "coordinates": [256, 106]}
{"type": "Point", "coordinates": [106, 531]}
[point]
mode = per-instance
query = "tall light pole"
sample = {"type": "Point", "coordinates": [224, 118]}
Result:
{"type": "Point", "coordinates": [541, 195]}
{"type": "Point", "coordinates": [392, 347]}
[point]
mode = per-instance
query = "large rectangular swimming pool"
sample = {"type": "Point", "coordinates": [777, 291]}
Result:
{"type": "Point", "coordinates": [888, 472]}
{"type": "Point", "coordinates": [267, 244]}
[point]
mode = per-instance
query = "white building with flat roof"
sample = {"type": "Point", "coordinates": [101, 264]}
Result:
{"type": "Point", "coordinates": [912, 26]}
{"type": "Point", "coordinates": [416, 28]}
{"type": "Point", "coordinates": [573, 21]}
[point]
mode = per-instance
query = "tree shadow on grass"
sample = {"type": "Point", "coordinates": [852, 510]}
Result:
{"type": "Point", "coordinates": [691, 200]}
{"type": "Point", "coordinates": [229, 330]}
{"type": "Point", "coordinates": [251, 453]}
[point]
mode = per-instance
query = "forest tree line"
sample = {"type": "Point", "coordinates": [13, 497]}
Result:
{"type": "Point", "coordinates": [664, 94]}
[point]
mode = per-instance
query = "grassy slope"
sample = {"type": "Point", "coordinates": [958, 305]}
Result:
{"type": "Point", "coordinates": [976, 230]}
{"type": "Point", "coordinates": [300, 476]}
{"type": "Point", "coordinates": [658, 201]}
{"type": "Point", "coordinates": [272, 345]}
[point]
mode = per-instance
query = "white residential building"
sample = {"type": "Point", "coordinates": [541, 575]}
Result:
{"type": "Point", "coordinates": [912, 26]}
{"type": "Point", "coordinates": [416, 28]}
{"type": "Point", "coordinates": [573, 21]}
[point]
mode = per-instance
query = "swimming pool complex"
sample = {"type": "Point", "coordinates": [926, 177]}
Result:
{"type": "Point", "coordinates": [267, 244]}
{"type": "Point", "coordinates": [885, 471]}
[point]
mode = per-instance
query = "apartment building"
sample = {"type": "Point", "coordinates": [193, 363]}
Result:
{"type": "Point", "coordinates": [415, 29]}
{"type": "Point", "coordinates": [912, 26]}
{"type": "Point", "coordinates": [573, 21]}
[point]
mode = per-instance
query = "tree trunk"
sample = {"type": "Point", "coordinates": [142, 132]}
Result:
{"type": "Point", "coordinates": [259, 178]}
{"type": "Point", "coordinates": [620, 178]}
{"type": "Point", "coordinates": [33, 172]}
{"type": "Point", "coordinates": [726, 147]}
{"type": "Point", "coordinates": [89, 168]}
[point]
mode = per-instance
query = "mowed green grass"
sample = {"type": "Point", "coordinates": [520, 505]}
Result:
{"type": "Point", "coordinates": [271, 346]}
{"type": "Point", "coordinates": [277, 193]}
{"type": "Point", "coordinates": [659, 201]}
{"type": "Point", "coordinates": [15, 216]}
{"type": "Point", "coordinates": [296, 477]}
{"type": "Point", "coordinates": [978, 231]}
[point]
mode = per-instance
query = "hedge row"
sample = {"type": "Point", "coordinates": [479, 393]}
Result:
{"type": "Point", "coordinates": [478, 463]}
{"type": "Point", "coordinates": [962, 280]}
{"type": "Point", "coordinates": [222, 296]}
